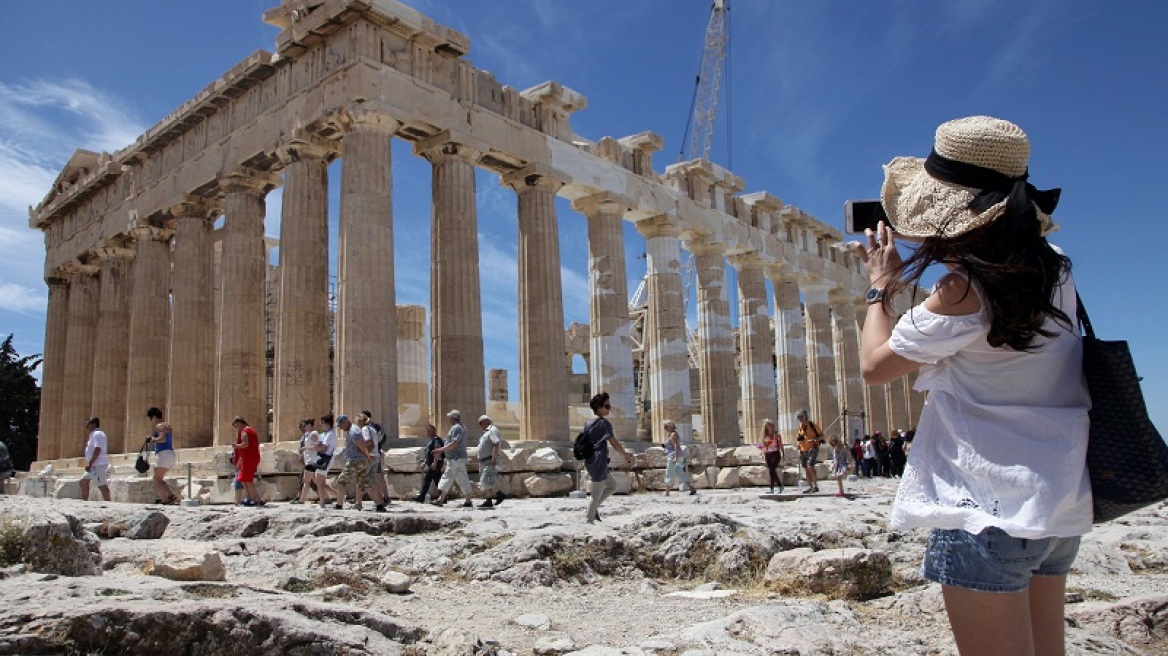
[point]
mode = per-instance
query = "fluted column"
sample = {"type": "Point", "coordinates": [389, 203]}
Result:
{"type": "Point", "coordinates": [719, 385]}
{"type": "Point", "coordinates": [149, 359]}
{"type": "Point", "coordinates": [79, 351]}
{"type": "Point", "coordinates": [897, 406]}
{"type": "Point", "coordinates": [666, 354]}
{"type": "Point", "coordinates": [191, 395]}
{"type": "Point", "coordinates": [413, 389]}
{"type": "Point", "coordinates": [875, 396]}
{"type": "Point", "coordinates": [242, 384]}
{"type": "Point", "coordinates": [847, 353]}
{"type": "Point", "coordinates": [543, 399]}
{"type": "Point", "coordinates": [790, 353]}
{"type": "Point", "coordinates": [756, 346]}
{"type": "Point", "coordinates": [113, 349]}
{"type": "Point", "coordinates": [821, 357]}
{"type": "Point", "coordinates": [49, 434]}
{"type": "Point", "coordinates": [456, 312]}
{"type": "Point", "coordinates": [302, 350]}
{"type": "Point", "coordinates": [916, 401]}
{"type": "Point", "coordinates": [610, 340]}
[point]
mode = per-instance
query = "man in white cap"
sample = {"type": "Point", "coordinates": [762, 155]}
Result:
{"type": "Point", "coordinates": [489, 448]}
{"type": "Point", "coordinates": [455, 450]}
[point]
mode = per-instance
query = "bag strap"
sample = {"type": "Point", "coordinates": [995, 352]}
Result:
{"type": "Point", "coordinates": [144, 445]}
{"type": "Point", "coordinates": [1084, 320]}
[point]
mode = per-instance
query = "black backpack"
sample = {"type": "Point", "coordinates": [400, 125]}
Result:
{"type": "Point", "coordinates": [583, 448]}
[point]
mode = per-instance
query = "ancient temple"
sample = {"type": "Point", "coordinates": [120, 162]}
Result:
{"type": "Point", "coordinates": [150, 304]}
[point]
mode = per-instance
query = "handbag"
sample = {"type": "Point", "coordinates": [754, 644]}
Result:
{"type": "Point", "coordinates": [142, 464]}
{"type": "Point", "coordinates": [1127, 460]}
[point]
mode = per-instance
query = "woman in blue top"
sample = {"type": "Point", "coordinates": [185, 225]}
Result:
{"type": "Point", "coordinates": [600, 430]}
{"type": "Point", "coordinates": [164, 457]}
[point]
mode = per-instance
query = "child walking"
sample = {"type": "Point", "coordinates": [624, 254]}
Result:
{"type": "Point", "coordinates": [840, 463]}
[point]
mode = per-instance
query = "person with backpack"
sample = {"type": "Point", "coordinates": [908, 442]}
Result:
{"type": "Point", "coordinates": [376, 468]}
{"type": "Point", "coordinates": [808, 440]}
{"type": "Point", "coordinates": [675, 461]}
{"type": "Point", "coordinates": [599, 434]}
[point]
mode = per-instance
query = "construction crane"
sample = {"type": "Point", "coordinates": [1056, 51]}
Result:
{"type": "Point", "coordinates": [699, 129]}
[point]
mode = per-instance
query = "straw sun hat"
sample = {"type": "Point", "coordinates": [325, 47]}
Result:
{"type": "Point", "coordinates": [977, 167]}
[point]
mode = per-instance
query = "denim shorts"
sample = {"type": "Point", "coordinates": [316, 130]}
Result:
{"type": "Point", "coordinates": [994, 561]}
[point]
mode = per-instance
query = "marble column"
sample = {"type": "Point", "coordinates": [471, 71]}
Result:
{"type": "Point", "coordinates": [759, 400]}
{"type": "Point", "coordinates": [242, 389]}
{"type": "Point", "coordinates": [81, 340]}
{"type": "Point", "coordinates": [413, 388]}
{"type": "Point", "coordinates": [875, 396]}
{"type": "Point", "coordinates": [149, 359]}
{"type": "Point", "coordinates": [543, 399]}
{"type": "Point", "coordinates": [897, 406]}
{"type": "Point", "coordinates": [456, 314]}
{"type": "Point", "coordinates": [610, 341]}
{"type": "Point", "coordinates": [302, 350]}
{"type": "Point", "coordinates": [112, 352]}
{"type": "Point", "coordinates": [498, 387]}
{"type": "Point", "coordinates": [191, 386]}
{"type": "Point", "coordinates": [847, 354]}
{"type": "Point", "coordinates": [790, 353]}
{"type": "Point", "coordinates": [719, 385]}
{"type": "Point", "coordinates": [916, 401]}
{"type": "Point", "coordinates": [821, 358]}
{"type": "Point", "coordinates": [49, 434]}
{"type": "Point", "coordinates": [666, 354]}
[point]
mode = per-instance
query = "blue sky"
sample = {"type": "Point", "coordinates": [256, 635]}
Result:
{"type": "Point", "coordinates": [821, 94]}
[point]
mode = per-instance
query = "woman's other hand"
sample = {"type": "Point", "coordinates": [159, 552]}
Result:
{"type": "Point", "coordinates": [879, 254]}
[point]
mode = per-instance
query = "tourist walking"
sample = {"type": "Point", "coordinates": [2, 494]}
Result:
{"type": "Point", "coordinates": [455, 452]}
{"type": "Point", "coordinates": [999, 474]}
{"type": "Point", "coordinates": [96, 460]}
{"type": "Point", "coordinates": [432, 465]}
{"type": "Point", "coordinates": [326, 446]}
{"type": "Point", "coordinates": [599, 431]}
{"type": "Point", "coordinates": [676, 461]}
{"type": "Point", "coordinates": [309, 455]}
{"type": "Point", "coordinates": [772, 453]}
{"type": "Point", "coordinates": [355, 475]}
{"type": "Point", "coordinates": [840, 463]}
{"type": "Point", "coordinates": [896, 453]}
{"type": "Point", "coordinates": [869, 449]}
{"type": "Point", "coordinates": [490, 445]}
{"type": "Point", "coordinates": [858, 454]}
{"type": "Point", "coordinates": [162, 440]}
{"type": "Point", "coordinates": [247, 456]}
{"type": "Point", "coordinates": [807, 440]}
{"type": "Point", "coordinates": [374, 434]}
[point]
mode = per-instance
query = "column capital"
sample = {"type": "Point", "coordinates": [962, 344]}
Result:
{"type": "Point", "coordinates": [196, 207]}
{"type": "Point", "coordinates": [817, 288]}
{"type": "Point", "coordinates": [357, 117]}
{"type": "Point", "coordinates": [112, 252]}
{"type": "Point", "coordinates": [749, 260]}
{"type": "Point", "coordinates": [75, 270]}
{"type": "Point", "coordinates": [249, 180]}
{"type": "Point", "coordinates": [556, 96]}
{"type": "Point", "coordinates": [533, 177]}
{"type": "Point", "coordinates": [763, 201]}
{"type": "Point", "coordinates": [448, 145]}
{"type": "Point", "coordinates": [141, 231]}
{"type": "Point", "coordinates": [599, 204]}
{"type": "Point", "coordinates": [780, 272]}
{"type": "Point", "coordinates": [303, 148]}
{"type": "Point", "coordinates": [702, 245]}
{"type": "Point", "coordinates": [840, 296]}
{"type": "Point", "coordinates": [658, 226]}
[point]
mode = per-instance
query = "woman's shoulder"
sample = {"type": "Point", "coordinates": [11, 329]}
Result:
{"type": "Point", "coordinates": [954, 295]}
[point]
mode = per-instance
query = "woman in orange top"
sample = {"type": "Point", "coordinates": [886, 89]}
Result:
{"type": "Point", "coordinates": [772, 451]}
{"type": "Point", "coordinates": [808, 442]}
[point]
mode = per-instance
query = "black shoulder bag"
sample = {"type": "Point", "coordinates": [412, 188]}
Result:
{"type": "Point", "coordinates": [1127, 460]}
{"type": "Point", "coordinates": [142, 464]}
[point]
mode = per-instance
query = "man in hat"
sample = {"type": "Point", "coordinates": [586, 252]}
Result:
{"type": "Point", "coordinates": [489, 451]}
{"type": "Point", "coordinates": [358, 461]}
{"type": "Point", "coordinates": [455, 452]}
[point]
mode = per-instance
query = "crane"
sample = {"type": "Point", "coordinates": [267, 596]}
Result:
{"type": "Point", "coordinates": [699, 129]}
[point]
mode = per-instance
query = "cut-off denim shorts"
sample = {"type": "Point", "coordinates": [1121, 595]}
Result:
{"type": "Point", "coordinates": [993, 560]}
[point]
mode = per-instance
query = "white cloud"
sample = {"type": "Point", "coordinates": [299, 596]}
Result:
{"type": "Point", "coordinates": [21, 299]}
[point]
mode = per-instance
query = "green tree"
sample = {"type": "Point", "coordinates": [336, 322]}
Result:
{"type": "Point", "coordinates": [20, 404]}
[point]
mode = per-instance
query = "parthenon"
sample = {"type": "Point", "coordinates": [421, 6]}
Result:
{"type": "Point", "coordinates": [151, 305]}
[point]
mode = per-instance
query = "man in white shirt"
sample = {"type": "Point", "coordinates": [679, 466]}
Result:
{"type": "Point", "coordinates": [96, 460]}
{"type": "Point", "coordinates": [489, 451]}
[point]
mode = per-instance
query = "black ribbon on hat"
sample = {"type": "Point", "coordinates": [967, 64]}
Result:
{"type": "Point", "coordinates": [994, 186]}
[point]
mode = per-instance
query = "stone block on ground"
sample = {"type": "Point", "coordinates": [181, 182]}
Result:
{"type": "Point", "coordinates": [539, 460]}
{"type": "Point", "coordinates": [548, 484]}
{"type": "Point", "coordinates": [193, 563]}
{"type": "Point", "coordinates": [840, 573]}
{"type": "Point", "coordinates": [135, 489]}
{"type": "Point", "coordinates": [727, 478]}
{"type": "Point", "coordinates": [404, 460]}
{"type": "Point", "coordinates": [56, 543]}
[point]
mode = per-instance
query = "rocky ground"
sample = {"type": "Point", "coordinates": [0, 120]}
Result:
{"type": "Point", "coordinates": [723, 572]}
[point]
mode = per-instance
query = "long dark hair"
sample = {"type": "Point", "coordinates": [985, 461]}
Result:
{"type": "Point", "coordinates": [1015, 265]}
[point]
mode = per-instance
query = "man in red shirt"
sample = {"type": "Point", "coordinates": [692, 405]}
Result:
{"type": "Point", "coordinates": [247, 454]}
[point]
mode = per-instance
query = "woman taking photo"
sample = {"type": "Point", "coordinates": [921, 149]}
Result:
{"type": "Point", "coordinates": [998, 471]}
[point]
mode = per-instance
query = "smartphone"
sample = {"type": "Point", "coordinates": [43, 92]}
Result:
{"type": "Point", "coordinates": [862, 214]}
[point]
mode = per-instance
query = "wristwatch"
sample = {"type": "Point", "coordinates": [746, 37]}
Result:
{"type": "Point", "coordinates": [875, 295]}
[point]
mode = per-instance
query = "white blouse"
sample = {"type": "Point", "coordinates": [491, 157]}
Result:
{"type": "Point", "coordinates": [1002, 439]}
